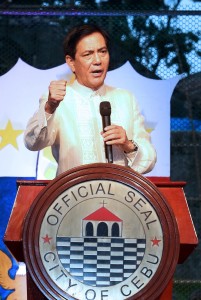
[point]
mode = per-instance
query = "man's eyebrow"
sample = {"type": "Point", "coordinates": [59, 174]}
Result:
{"type": "Point", "coordinates": [90, 50]}
{"type": "Point", "coordinates": [104, 47]}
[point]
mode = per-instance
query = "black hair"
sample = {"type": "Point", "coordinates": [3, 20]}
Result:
{"type": "Point", "coordinates": [77, 33]}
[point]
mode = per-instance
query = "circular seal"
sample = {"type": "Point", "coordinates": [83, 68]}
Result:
{"type": "Point", "coordinates": [100, 232]}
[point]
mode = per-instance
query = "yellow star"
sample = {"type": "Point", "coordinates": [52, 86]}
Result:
{"type": "Point", "coordinates": [9, 136]}
{"type": "Point", "coordinates": [149, 130]}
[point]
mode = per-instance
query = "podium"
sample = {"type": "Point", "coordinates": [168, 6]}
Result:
{"type": "Point", "coordinates": [93, 179]}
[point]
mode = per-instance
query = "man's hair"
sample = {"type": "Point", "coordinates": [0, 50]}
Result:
{"type": "Point", "coordinates": [79, 32]}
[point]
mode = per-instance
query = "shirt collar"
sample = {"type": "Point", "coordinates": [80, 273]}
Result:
{"type": "Point", "coordinates": [84, 91]}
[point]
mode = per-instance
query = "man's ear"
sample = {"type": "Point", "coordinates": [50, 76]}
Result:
{"type": "Point", "coordinates": [70, 63]}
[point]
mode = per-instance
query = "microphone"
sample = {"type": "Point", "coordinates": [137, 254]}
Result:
{"type": "Point", "coordinates": [105, 111]}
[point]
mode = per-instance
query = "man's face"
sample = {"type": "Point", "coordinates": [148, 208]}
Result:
{"type": "Point", "coordinates": [91, 61]}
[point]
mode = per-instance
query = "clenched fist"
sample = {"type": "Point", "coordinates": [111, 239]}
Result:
{"type": "Point", "coordinates": [57, 92]}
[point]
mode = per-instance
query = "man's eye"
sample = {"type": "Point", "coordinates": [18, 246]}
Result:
{"type": "Point", "coordinates": [103, 52]}
{"type": "Point", "coordinates": [87, 54]}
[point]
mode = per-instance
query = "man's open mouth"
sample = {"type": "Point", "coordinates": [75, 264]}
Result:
{"type": "Point", "coordinates": [97, 71]}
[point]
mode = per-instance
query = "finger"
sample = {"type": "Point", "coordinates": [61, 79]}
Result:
{"type": "Point", "coordinates": [114, 132]}
{"type": "Point", "coordinates": [58, 82]}
{"type": "Point", "coordinates": [114, 142]}
{"type": "Point", "coordinates": [58, 85]}
{"type": "Point", "coordinates": [57, 94]}
{"type": "Point", "coordinates": [110, 127]}
{"type": "Point", "coordinates": [116, 138]}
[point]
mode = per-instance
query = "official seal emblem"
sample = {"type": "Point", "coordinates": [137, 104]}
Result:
{"type": "Point", "coordinates": [99, 237]}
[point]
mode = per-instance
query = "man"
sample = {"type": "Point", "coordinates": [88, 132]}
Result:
{"type": "Point", "coordinates": [68, 118]}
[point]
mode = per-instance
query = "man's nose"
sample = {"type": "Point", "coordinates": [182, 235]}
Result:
{"type": "Point", "coordinates": [96, 58]}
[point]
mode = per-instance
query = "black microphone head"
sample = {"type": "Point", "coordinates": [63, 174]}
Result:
{"type": "Point", "coordinates": [105, 108]}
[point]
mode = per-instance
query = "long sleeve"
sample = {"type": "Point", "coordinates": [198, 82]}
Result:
{"type": "Point", "coordinates": [144, 159]}
{"type": "Point", "coordinates": [126, 113]}
{"type": "Point", "coordinates": [41, 129]}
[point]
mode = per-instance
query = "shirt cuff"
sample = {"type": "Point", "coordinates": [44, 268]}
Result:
{"type": "Point", "coordinates": [43, 117]}
{"type": "Point", "coordinates": [132, 155]}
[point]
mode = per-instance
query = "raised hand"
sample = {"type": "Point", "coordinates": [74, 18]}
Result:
{"type": "Point", "coordinates": [57, 92]}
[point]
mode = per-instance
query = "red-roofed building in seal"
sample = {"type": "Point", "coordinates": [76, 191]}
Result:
{"type": "Point", "coordinates": [102, 222]}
